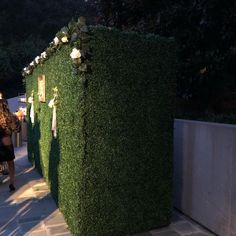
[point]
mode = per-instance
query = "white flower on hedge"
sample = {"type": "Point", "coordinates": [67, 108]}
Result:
{"type": "Point", "coordinates": [56, 40]}
{"type": "Point", "coordinates": [26, 70]}
{"type": "Point", "coordinates": [75, 53]}
{"type": "Point", "coordinates": [51, 103]}
{"type": "Point", "coordinates": [64, 39]}
{"type": "Point", "coordinates": [32, 63]}
{"type": "Point", "coordinates": [30, 100]}
{"type": "Point", "coordinates": [37, 59]}
{"type": "Point", "coordinates": [43, 55]}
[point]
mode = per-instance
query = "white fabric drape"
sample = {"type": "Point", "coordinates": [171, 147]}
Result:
{"type": "Point", "coordinates": [54, 121]}
{"type": "Point", "coordinates": [31, 101]}
{"type": "Point", "coordinates": [52, 105]}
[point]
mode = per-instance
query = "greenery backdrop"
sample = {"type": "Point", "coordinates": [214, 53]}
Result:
{"type": "Point", "coordinates": [110, 168]}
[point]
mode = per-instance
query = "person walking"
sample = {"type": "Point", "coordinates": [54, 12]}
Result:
{"type": "Point", "coordinates": [8, 123]}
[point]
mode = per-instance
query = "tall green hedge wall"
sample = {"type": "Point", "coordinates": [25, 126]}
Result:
{"type": "Point", "coordinates": [110, 168]}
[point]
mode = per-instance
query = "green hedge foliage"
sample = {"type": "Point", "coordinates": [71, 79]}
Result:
{"type": "Point", "coordinates": [110, 168]}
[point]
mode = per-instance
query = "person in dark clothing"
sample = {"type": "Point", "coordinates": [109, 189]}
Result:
{"type": "Point", "coordinates": [8, 123]}
{"type": "Point", "coordinates": [3, 165]}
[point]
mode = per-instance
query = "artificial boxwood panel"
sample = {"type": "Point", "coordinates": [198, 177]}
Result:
{"type": "Point", "coordinates": [110, 168]}
{"type": "Point", "coordinates": [58, 159]}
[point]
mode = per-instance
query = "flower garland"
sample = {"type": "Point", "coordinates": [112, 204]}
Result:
{"type": "Point", "coordinates": [78, 36]}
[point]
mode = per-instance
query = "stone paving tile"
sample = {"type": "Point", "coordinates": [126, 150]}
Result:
{"type": "Point", "coordinates": [37, 210]}
{"type": "Point", "coordinates": [58, 229]}
{"type": "Point", "coordinates": [143, 234]}
{"type": "Point", "coordinates": [40, 187]}
{"type": "Point", "coordinates": [37, 233]}
{"type": "Point", "coordinates": [23, 200]}
{"type": "Point", "coordinates": [4, 185]}
{"type": "Point", "coordinates": [183, 227]}
{"type": "Point", "coordinates": [199, 234]}
{"type": "Point", "coordinates": [201, 229]}
{"type": "Point", "coordinates": [208, 233]}
{"type": "Point", "coordinates": [3, 199]}
{"type": "Point", "coordinates": [63, 234]}
{"type": "Point", "coordinates": [41, 195]}
{"type": "Point", "coordinates": [10, 214]}
{"type": "Point", "coordinates": [3, 179]}
{"type": "Point", "coordinates": [28, 220]}
{"type": "Point", "coordinates": [31, 226]}
{"type": "Point", "coordinates": [12, 232]}
{"type": "Point", "coordinates": [54, 219]}
{"type": "Point", "coordinates": [167, 233]}
{"type": "Point", "coordinates": [176, 217]}
{"type": "Point", "coordinates": [163, 231]}
{"type": "Point", "coordinates": [26, 192]}
{"type": "Point", "coordinates": [7, 228]}
{"type": "Point", "coordinates": [27, 176]}
{"type": "Point", "coordinates": [197, 226]}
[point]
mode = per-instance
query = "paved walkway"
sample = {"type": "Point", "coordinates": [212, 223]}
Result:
{"type": "Point", "coordinates": [30, 210]}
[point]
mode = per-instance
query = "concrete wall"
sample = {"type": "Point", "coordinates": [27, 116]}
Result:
{"type": "Point", "coordinates": [205, 174]}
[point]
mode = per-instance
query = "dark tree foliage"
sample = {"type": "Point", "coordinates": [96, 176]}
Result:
{"type": "Point", "coordinates": [204, 30]}
{"type": "Point", "coordinates": [206, 35]}
{"type": "Point", "coordinates": [26, 29]}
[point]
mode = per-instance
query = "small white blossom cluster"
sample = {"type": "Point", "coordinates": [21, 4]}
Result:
{"type": "Point", "coordinates": [75, 54]}
{"type": "Point", "coordinates": [43, 55]}
{"type": "Point", "coordinates": [37, 59]}
{"type": "Point", "coordinates": [30, 100]}
{"type": "Point", "coordinates": [64, 39]}
{"type": "Point", "coordinates": [26, 70]}
{"type": "Point", "coordinates": [57, 41]}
